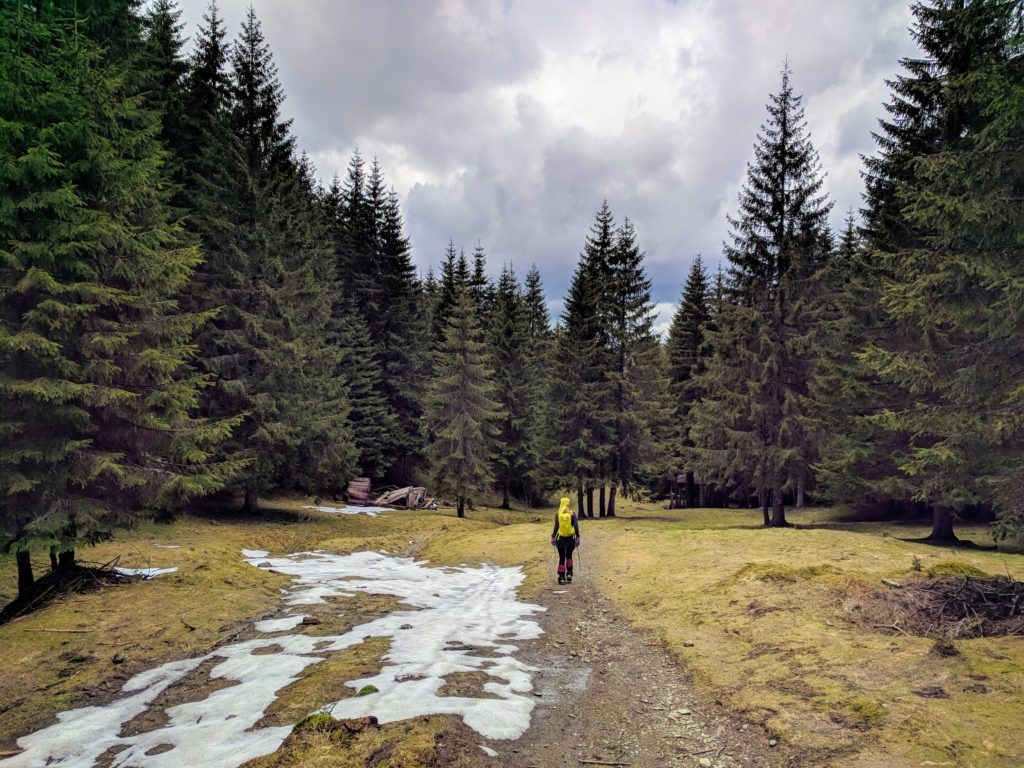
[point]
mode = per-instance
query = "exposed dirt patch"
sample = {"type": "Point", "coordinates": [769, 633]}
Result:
{"type": "Point", "coordinates": [195, 686]}
{"type": "Point", "coordinates": [607, 693]}
{"type": "Point", "coordinates": [467, 684]}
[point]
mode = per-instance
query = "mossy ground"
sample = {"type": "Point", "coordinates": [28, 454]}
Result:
{"type": "Point", "coordinates": [766, 621]}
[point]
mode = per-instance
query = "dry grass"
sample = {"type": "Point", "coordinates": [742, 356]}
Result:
{"type": "Point", "coordinates": [767, 622]}
{"type": "Point", "coordinates": [150, 622]}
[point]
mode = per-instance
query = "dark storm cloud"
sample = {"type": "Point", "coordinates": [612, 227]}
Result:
{"type": "Point", "coordinates": [509, 122]}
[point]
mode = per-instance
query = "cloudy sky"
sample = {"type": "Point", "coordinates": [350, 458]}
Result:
{"type": "Point", "coordinates": [507, 121]}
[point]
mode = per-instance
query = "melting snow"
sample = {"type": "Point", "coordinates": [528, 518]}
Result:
{"type": "Point", "coordinates": [279, 625]}
{"type": "Point", "coordinates": [453, 613]}
{"type": "Point", "coordinates": [255, 553]}
{"type": "Point", "coordinates": [146, 573]}
{"type": "Point", "coordinates": [167, 546]}
{"type": "Point", "coordinates": [488, 751]}
{"type": "Point", "coordinates": [350, 510]}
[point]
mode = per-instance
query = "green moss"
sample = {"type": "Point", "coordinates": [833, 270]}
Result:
{"type": "Point", "coordinates": [366, 690]}
{"type": "Point", "coordinates": [318, 722]}
{"type": "Point", "coordinates": [867, 711]}
{"type": "Point", "coordinates": [775, 573]}
{"type": "Point", "coordinates": [955, 568]}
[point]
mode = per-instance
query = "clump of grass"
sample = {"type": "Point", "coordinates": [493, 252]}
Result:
{"type": "Point", "coordinates": [916, 565]}
{"type": "Point", "coordinates": [318, 722]}
{"type": "Point", "coordinates": [366, 690]}
{"type": "Point", "coordinates": [955, 568]}
{"type": "Point", "coordinates": [945, 646]}
{"type": "Point", "coordinates": [775, 573]}
{"type": "Point", "coordinates": [866, 711]}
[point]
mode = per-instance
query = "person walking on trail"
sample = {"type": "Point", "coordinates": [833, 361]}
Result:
{"type": "Point", "coordinates": [565, 536]}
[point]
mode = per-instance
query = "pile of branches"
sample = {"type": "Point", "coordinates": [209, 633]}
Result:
{"type": "Point", "coordinates": [78, 578]}
{"type": "Point", "coordinates": [961, 607]}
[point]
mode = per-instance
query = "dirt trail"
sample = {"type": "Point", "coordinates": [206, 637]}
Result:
{"type": "Point", "coordinates": [609, 695]}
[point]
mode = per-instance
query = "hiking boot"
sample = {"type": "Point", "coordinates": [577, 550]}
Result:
{"type": "Point", "coordinates": [568, 578]}
{"type": "Point", "coordinates": [561, 579]}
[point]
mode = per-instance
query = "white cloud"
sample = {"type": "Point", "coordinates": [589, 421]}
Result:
{"type": "Point", "coordinates": [508, 121]}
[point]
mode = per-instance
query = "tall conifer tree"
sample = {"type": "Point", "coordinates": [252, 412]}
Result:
{"type": "Point", "coordinates": [461, 410]}
{"type": "Point", "coordinates": [944, 212]}
{"type": "Point", "coordinates": [635, 380]}
{"type": "Point", "coordinates": [97, 397]}
{"type": "Point", "coordinates": [751, 428]}
{"type": "Point", "coordinates": [509, 347]}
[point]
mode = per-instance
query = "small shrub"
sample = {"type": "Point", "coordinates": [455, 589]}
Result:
{"type": "Point", "coordinates": [366, 690]}
{"type": "Point", "coordinates": [916, 564]}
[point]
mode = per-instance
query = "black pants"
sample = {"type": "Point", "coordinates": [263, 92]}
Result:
{"type": "Point", "coordinates": [565, 547]}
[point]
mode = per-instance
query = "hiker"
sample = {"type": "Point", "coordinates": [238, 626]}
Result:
{"type": "Point", "coordinates": [566, 537]}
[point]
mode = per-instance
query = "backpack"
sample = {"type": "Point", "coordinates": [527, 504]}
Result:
{"type": "Point", "coordinates": [565, 527]}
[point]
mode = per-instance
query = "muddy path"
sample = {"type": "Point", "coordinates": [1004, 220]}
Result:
{"type": "Point", "coordinates": [607, 694]}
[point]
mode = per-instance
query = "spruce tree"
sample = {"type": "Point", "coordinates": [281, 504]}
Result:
{"type": "Point", "coordinates": [164, 70]}
{"type": "Point", "coordinates": [582, 392]}
{"type": "Point", "coordinates": [509, 347]}
{"type": "Point", "coordinates": [752, 427]}
{"type": "Point", "coordinates": [945, 214]}
{"type": "Point", "coordinates": [685, 353]}
{"type": "Point", "coordinates": [480, 286]}
{"type": "Point", "coordinates": [360, 366]}
{"type": "Point", "coordinates": [541, 477]}
{"type": "Point", "coordinates": [269, 276]}
{"type": "Point", "coordinates": [454, 278]}
{"type": "Point", "coordinates": [635, 378]}
{"type": "Point", "coordinates": [461, 411]}
{"type": "Point", "coordinates": [97, 401]}
{"type": "Point", "coordinates": [403, 338]}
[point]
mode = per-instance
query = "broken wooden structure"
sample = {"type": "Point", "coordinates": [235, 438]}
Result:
{"type": "Point", "coordinates": [410, 497]}
{"type": "Point", "coordinates": [359, 491]}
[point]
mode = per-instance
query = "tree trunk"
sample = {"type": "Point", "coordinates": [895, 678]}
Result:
{"type": "Point", "coordinates": [25, 578]}
{"type": "Point", "coordinates": [251, 505]}
{"type": "Point", "coordinates": [462, 506]}
{"type": "Point", "coordinates": [702, 499]}
{"type": "Point", "coordinates": [800, 493]}
{"type": "Point", "coordinates": [778, 508]}
{"type": "Point", "coordinates": [580, 509]}
{"type": "Point", "coordinates": [504, 497]}
{"type": "Point", "coordinates": [764, 507]}
{"type": "Point", "coordinates": [942, 525]}
{"type": "Point", "coordinates": [601, 509]}
{"type": "Point", "coordinates": [691, 491]}
{"type": "Point", "coordinates": [590, 499]}
{"type": "Point", "coordinates": [611, 499]}
{"type": "Point", "coordinates": [53, 558]}
{"type": "Point", "coordinates": [66, 560]}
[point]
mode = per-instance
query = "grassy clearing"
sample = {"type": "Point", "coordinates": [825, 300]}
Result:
{"type": "Point", "coordinates": [63, 656]}
{"type": "Point", "coordinates": [768, 622]}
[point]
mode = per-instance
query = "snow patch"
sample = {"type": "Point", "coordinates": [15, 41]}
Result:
{"type": "Point", "coordinates": [488, 751]}
{"type": "Point", "coordinates": [255, 553]}
{"type": "Point", "coordinates": [454, 615]}
{"type": "Point", "coordinates": [146, 573]}
{"type": "Point", "coordinates": [350, 510]}
{"type": "Point", "coordinates": [279, 625]}
{"type": "Point", "coordinates": [167, 546]}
